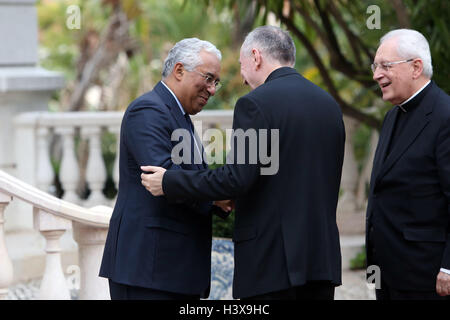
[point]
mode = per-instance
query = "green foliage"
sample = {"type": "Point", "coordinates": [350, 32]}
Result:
{"type": "Point", "coordinates": [359, 261]}
{"type": "Point", "coordinates": [155, 26]}
{"type": "Point", "coordinates": [431, 18]}
{"type": "Point", "coordinates": [58, 50]}
{"type": "Point", "coordinates": [222, 228]}
{"type": "Point", "coordinates": [347, 62]}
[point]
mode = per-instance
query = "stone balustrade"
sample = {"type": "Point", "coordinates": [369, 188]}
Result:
{"type": "Point", "coordinates": [35, 130]}
{"type": "Point", "coordinates": [52, 218]}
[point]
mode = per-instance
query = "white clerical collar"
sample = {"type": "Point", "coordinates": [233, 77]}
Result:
{"type": "Point", "coordinates": [412, 97]}
{"type": "Point", "coordinates": [176, 99]}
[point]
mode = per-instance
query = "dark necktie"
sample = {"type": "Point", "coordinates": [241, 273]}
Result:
{"type": "Point", "coordinates": [189, 122]}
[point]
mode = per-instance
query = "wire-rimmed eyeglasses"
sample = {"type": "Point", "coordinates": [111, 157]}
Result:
{"type": "Point", "coordinates": [387, 65]}
{"type": "Point", "coordinates": [210, 80]}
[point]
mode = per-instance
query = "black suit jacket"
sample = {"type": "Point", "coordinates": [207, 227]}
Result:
{"type": "Point", "coordinates": [409, 200]}
{"type": "Point", "coordinates": [285, 228]}
{"type": "Point", "coordinates": [151, 242]}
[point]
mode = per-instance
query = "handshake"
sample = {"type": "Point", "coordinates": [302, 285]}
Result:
{"type": "Point", "coordinates": [226, 205]}
{"type": "Point", "coordinates": [152, 181]}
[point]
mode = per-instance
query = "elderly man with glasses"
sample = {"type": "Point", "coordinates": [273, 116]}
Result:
{"type": "Point", "coordinates": [408, 215]}
{"type": "Point", "coordinates": [158, 249]}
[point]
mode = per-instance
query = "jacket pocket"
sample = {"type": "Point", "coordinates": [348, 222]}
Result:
{"type": "Point", "coordinates": [167, 224]}
{"type": "Point", "coordinates": [244, 234]}
{"type": "Point", "coordinates": [429, 191]}
{"type": "Point", "coordinates": [425, 235]}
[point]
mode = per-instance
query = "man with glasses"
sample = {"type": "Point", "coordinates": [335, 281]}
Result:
{"type": "Point", "coordinates": [158, 249]}
{"type": "Point", "coordinates": [408, 215]}
{"type": "Point", "coordinates": [286, 241]}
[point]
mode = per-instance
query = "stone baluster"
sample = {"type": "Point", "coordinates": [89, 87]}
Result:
{"type": "Point", "coordinates": [349, 182]}
{"type": "Point", "coordinates": [96, 169]}
{"type": "Point", "coordinates": [6, 269]}
{"type": "Point", "coordinates": [116, 131]}
{"type": "Point", "coordinates": [364, 178]}
{"type": "Point", "coordinates": [54, 285]}
{"type": "Point", "coordinates": [91, 242]}
{"type": "Point", "coordinates": [45, 174]}
{"type": "Point", "coordinates": [69, 172]}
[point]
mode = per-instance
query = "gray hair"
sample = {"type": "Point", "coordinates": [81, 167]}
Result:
{"type": "Point", "coordinates": [273, 42]}
{"type": "Point", "coordinates": [412, 44]}
{"type": "Point", "coordinates": [187, 51]}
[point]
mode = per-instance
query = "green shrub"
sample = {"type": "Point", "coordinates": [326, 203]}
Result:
{"type": "Point", "coordinates": [222, 228]}
{"type": "Point", "coordinates": [359, 261]}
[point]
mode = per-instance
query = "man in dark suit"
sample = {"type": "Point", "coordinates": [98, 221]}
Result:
{"type": "Point", "coordinates": [286, 238]}
{"type": "Point", "coordinates": [408, 214]}
{"type": "Point", "coordinates": [156, 249]}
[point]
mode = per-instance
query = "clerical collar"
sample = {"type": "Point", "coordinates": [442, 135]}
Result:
{"type": "Point", "coordinates": [414, 100]}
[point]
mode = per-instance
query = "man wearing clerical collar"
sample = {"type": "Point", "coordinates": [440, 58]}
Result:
{"type": "Point", "coordinates": [408, 214]}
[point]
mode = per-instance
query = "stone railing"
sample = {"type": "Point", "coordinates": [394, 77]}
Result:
{"type": "Point", "coordinates": [33, 133]}
{"type": "Point", "coordinates": [52, 218]}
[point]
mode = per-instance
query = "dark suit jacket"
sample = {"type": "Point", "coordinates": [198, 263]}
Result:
{"type": "Point", "coordinates": [409, 201]}
{"type": "Point", "coordinates": [153, 243]}
{"type": "Point", "coordinates": [285, 228]}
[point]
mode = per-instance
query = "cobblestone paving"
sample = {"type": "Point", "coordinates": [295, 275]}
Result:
{"type": "Point", "coordinates": [30, 291]}
{"type": "Point", "coordinates": [353, 288]}
{"type": "Point", "coordinates": [24, 291]}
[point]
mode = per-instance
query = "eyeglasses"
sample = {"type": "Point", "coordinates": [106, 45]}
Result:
{"type": "Point", "coordinates": [210, 80]}
{"type": "Point", "coordinates": [386, 66]}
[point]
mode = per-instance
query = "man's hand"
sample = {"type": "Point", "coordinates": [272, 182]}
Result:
{"type": "Point", "coordinates": [153, 181]}
{"type": "Point", "coordinates": [443, 284]}
{"type": "Point", "coordinates": [225, 205]}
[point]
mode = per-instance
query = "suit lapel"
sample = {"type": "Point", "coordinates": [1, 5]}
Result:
{"type": "Point", "coordinates": [385, 138]}
{"type": "Point", "coordinates": [172, 104]}
{"type": "Point", "coordinates": [414, 127]}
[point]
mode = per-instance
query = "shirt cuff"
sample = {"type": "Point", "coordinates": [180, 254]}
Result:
{"type": "Point", "coordinates": [445, 271]}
